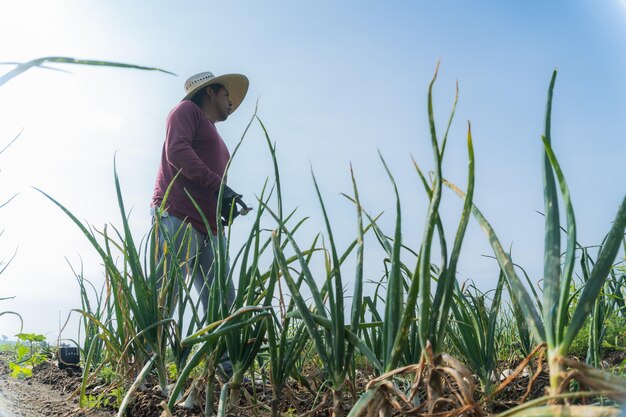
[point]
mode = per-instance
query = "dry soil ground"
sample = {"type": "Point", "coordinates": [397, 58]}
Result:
{"type": "Point", "coordinates": [49, 390]}
{"type": "Point", "coordinates": [46, 394]}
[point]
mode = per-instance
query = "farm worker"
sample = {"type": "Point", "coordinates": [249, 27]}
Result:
{"type": "Point", "coordinates": [193, 160]}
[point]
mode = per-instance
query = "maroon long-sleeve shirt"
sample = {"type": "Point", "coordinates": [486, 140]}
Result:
{"type": "Point", "coordinates": [193, 146]}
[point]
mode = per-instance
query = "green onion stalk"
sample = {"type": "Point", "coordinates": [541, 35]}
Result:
{"type": "Point", "coordinates": [333, 340]}
{"type": "Point", "coordinates": [552, 323]}
{"type": "Point", "coordinates": [286, 337]}
{"type": "Point", "coordinates": [138, 324]}
{"type": "Point", "coordinates": [255, 288]}
{"type": "Point", "coordinates": [430, 311]}
{"type": "Point", "coordinates": [475, 332]}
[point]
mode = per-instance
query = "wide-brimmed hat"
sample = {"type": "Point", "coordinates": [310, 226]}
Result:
{"type": "Point", "coordinates": [236, 84]}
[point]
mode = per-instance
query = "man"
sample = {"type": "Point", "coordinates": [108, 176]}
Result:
{"type": "Point", "coordinates": [193, 161]}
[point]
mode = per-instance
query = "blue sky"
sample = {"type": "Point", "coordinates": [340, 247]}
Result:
{"type": "Point", "coordinates": [336, 82]}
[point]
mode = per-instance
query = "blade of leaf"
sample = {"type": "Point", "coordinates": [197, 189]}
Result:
{"type": "Point", "coordinates": [552, 240]}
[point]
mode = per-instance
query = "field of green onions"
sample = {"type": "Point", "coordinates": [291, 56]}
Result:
{"type": "Point", "coordinates": [419, 340]}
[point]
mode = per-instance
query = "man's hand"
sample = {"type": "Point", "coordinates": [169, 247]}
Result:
{"type": "Point", "coordinates": [230, 197]}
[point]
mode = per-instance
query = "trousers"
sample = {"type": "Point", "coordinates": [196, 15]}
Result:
{"type": "Point", "coordinates": [197, 259]}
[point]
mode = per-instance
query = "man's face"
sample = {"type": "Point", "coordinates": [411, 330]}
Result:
{"type": "Point", "coordinates": [222, 103]}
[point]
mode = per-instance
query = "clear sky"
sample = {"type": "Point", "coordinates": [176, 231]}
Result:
{"type": "Point", "coordinates": [335, 81]}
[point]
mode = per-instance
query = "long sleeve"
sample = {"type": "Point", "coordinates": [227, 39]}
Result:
{"type": "Point", "coordinates": [195, 154]}
{"type": "Point", "coordinates": [180, 131]}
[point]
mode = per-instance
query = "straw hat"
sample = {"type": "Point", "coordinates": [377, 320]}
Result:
{"type": "Point", "coordinates": [236, 84]}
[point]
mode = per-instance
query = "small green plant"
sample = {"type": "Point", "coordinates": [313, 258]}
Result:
{"type": "Point", "coordinates": [20, 372]}
{"type": "Point", "coordinates": [107, 399]}
{"type": "Point", "coordinates": [172, 371]}
{"type": "Point", "coordinates": [29, 352]}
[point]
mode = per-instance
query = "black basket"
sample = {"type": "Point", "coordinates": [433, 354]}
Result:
{"type": "Point", "coordinates": [69, 357]}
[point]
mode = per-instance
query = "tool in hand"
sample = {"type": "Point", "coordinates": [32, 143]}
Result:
{"type": "Point", "coordinates": [230, 197]}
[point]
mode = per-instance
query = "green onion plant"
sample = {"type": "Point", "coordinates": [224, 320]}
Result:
{"type": "Point", "coordinates": [552, 324]}
{"type": "Point", "coordinates": [333, 340]}
{"type": "Point", "coordinates": [475, 332]}
{"type": "Point", "coordinates": [420, 309]}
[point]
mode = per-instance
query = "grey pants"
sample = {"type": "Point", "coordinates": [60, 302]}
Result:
{"type": "Point", "coordinates": [197, 255]}
{"type": "Point", "coordinates": [197, 260]}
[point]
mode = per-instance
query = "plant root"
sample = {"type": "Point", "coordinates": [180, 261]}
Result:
{"type": "Point", "coordinates": [595, 379]}
{"type": "Point", "coordinates": [448, 385]}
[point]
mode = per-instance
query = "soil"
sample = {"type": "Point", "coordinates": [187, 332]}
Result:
{"type": "Point", "coordinates": [45, 394]}
{"type": "Point", "coordinates": [49, 393]}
